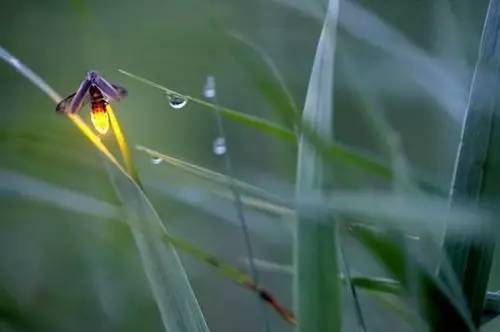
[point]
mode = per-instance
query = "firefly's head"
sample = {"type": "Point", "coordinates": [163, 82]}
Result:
{"type": "Point", "coordinates": [92, 75]}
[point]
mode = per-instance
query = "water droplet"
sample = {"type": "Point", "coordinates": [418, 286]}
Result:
{"type": "Point", "coordinates": [156, 160]}
{"type": "Point", "coordinates": [177, 101]}
{"type": "Point", "coordinates": [219, 146]}
{"type": "Point", "coordinates": [209, 88]}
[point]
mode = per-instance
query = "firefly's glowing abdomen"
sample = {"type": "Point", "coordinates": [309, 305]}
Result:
{"type": "Point", "coordinates": [98, 114]}
{"type": "Point", "coordinates": [100, 120]}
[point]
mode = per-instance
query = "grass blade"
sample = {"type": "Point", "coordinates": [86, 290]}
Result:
{"type": "Point", "coordinates": [332, 150]}
{"type": "Point", "coordinates": [267, 78]}
{"type": "Point", "coordinates": [249, 120]}
{"type": "Point", "coordinates": [388, 137]}
{"type": "Point", "coordinates": [316, 284]}
{"type": "Point", "coordinates": [477, 170]}
{"type": "Point", "coordinates": [176, 301]}
{"type": "Point", "coordinates": [73, 201]}
{"type": "Point", "coordinates": [440, 308]}
{"type": "Point", "coordinates": [212, 176]}
{"type": "Point", "coordinates": [426, 70]}
{"type": "Point", "coordinates": [174, 297]}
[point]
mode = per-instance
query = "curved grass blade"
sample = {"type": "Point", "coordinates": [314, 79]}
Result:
{"type": "Point", "coordinates": [249, 120]}
{"type": "Point", "coordinates": [29, 74]}
{"type": "Point", "coordinates": [388, 137]}
{"type": "Point", "coordinates": [158, 257]}
{"type": "Point", "coordinates": [270, 83]}
{"type": "Point", "coordinates": [60, 197]}
{"type": "Point", "coordinates": [441, 309]}
{"type": "Point", "coordinates": [213, 176]}
{"type": "Point", "coordinates": [263, 205]}
{"type": "Point", "coordinates": [73, 201]}
{"type": "Point", "coordinates": [267, 78]}
{"type": "Point", "coordinates": [48, 193]}
{"type": "Point", "coordinates": [476, 175]}
{"type": "Point", "coordinates": [332, 150]}
{"type": "Point", "coordinates": [235, 275]}
{"type": "Point", "coordinates": [316, 282]}
{"type": "Point", "coordinates": [42, 85]}
{"type": "Point", "coordinates": [174, 297]}
{"type": "Point", "coordinates": [176, 301]}
{"type": "Point", "coordinates": [380, 285]}
{"type": "Point", "coordinates": [427, 71]}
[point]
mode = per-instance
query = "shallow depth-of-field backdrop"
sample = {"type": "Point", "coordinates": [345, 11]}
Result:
{"type": "Point", "coordinates": [64, 268]}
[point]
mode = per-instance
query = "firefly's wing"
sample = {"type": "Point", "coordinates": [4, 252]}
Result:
{"type": "Point", "coordinates": [77, 101]}
{"type": "Point", "coordinates": [109, 90]}
{"type": "Point", "coordinates": [121, 91]}
{"type": "Point", "coordinates": [64, 105]}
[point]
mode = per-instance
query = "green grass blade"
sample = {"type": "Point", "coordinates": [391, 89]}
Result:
{"type": "Point", "coordinates": [249, 120]}
{"type": "Point", "coordinates": [233, 274]}
{"type": "Point", "coordinates": [372, 284]}
{"type": "Point", "coordinates": [477, 170]}
{"type": "Point", "coordinates": [29, 74]}
{"type": "Point", "coordinates": [175, 299]}
{"type": "Point", "coordinates": [316, 283]}
{"type": "Point", "coordinates": [381, 285]}
{"type": "Point", "coordinates": [172, 291]}
{"type": "Point", "coordinates": [213, 176]}
{"type": "Point", "coordinates": [18, 184]}
{"type": "Point", "coordinates": [266, 77]}
{"type": "Point", "coordinates": [271, 85]}
{"type": "Point", "coordinates": [12, 182]}
{"type": "Point", "coordinates": [423, 68]}
{"type": "Point", "coordinates": [332, 150]}
{"type": "Point", "coordinates": [386, 135]}
{"type": "Point", "coordinates": [440, 309]}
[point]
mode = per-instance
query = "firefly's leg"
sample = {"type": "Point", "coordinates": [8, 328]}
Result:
{"type": "Point", "coordinates": [64, 105]}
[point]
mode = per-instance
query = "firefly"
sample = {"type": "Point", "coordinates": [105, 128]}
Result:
{"type": "Point", "coordinates": [100, 93]}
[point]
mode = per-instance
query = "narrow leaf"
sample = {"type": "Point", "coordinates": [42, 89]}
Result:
{"type": "Point", "coordinates": [73, 201]}
{"type": "Point", "coordinates": [477, 170]}
{"type": "Point", "coordinates": [317, 289]}
{"type": "Point", "coordinates": [213, 176]}
{"type": "Point", "coordinates": [437, 305]}
{"type": "Point", "coordinates": [249, 120]}
{"type": "Point", "coordinates": [175, 299]}
{"type": "Point", "coordinates": [266, 77]}
{"type": "Point", "coordinates": [332, 150]}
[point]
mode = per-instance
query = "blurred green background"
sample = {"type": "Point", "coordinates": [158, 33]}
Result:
{"type": "Point", "coordinates": [69, 271]}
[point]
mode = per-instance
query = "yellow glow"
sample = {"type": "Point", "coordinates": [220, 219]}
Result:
{"type": "Point", "coordinates": [75, 118]}
{"type": "Point", "coordinates": [96, 140]}
{"type": "Point", "coordinates": [100, 120]}
{"type": "Point", "coordinates": [122, 143]}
